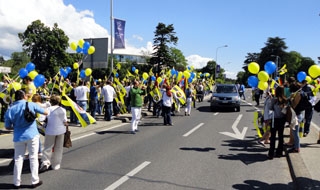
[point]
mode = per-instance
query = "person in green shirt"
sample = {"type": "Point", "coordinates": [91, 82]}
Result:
{"type": "Point", "coordinates": [136, 102]}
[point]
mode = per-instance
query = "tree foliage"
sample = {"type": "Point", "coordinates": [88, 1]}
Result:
{"type": "Point", "coordinates": [164, 36]}
{"type": "Point", "coordinates": [46, 47]}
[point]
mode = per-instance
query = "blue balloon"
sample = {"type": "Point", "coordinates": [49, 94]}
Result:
{"type": "Point", "coordinates": [270, 67]}
{"type": "Point", "coordinates": [23, 73]}
{"type": "Point", "coordinates": [38, 80]}
{"type": "Point", "coordinates": [253, 81]}
{"type": "Point", "coordinates": [117, 75]}
{"type": "Point", "coordinates": [301, 76]}
{"type": "Point", "coordinates": [68, 69]}
{"type": "Point", "coordinates": [190, 80]}
{"type": "Point", "coordinates": [153, 78]}
{"type": "Point", "coordinates": [30, 67]}
{"type": "Point", "coordinates": [173, 72]}
{"type": "Point", "coordinates": [133, 69]}
{"type": "Point", "coordinates": [63, 73]}
{"type": "Point", "coordinates": [82, 74]}
{"type": "Point", "coordinates": [79, 49]}
{"type": "Point", "coordinates": [86, 45]}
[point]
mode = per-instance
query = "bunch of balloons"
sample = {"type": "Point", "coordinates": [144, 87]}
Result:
{"type": "Point", "coordinates": [38, 79]}
{"type": "Point", "coordinates": [85, 73]}
{"type": "Point", "coordinates": [83, 47]}
{"type": "Point", "coordinates": [65, 72]}
{"type": "Point", "coordinates": [263, 76]}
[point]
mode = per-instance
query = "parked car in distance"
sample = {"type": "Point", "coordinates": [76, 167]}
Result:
{"type": "Point", "coordinates": [225, 96]}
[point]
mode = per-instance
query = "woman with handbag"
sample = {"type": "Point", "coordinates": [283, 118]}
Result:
{"type": "Point", "coordinates": [54, 135]}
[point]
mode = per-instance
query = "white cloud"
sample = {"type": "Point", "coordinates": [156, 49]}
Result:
{"type": "Point", "coordinates": [16, 15]}
{"type": "Point", "coordinates": [137, 37]}
{"type": "Point", "coordinates": [197, 61]}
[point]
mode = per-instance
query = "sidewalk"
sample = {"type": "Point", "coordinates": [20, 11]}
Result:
{"type": "Point", "coordinates": [304, 166]}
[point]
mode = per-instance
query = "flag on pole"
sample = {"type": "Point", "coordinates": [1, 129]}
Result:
{"type": "Point", "coordinates": [119, 26]}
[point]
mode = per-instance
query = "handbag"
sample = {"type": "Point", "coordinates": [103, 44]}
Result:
{"type": "Point", "coordinates": [67, 143]}
{"type": "Point", "coordinates": [28, 115]}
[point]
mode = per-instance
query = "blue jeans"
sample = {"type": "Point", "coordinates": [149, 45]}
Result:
{"type": "Point", "coordinates": [108, 111]}
{"type": "Point", "coordinates": [83, 105]}
{"type": "Point", "coordinates": [296, 131]}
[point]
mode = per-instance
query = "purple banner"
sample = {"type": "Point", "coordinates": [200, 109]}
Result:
{"type": "Point", "coordinates": [119, 26]}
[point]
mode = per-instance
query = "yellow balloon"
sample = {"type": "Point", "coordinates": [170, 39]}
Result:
{"type": "Point", "coordinates": [159, 79]}
{"type": "Point", "coordinates": [308, 79]}
{"type": "Point", "coordinates": [33, 74]}
{"type": "Point", "coordinates": [91, 50]}
{"type": "Point", "coordinates": [88, 72]}
{"type": "Point", "coordinates": [262, 85]}
{"type": "Point", "coordinates": [253, 67]}
{"type": "Point", "coordinates": [75, 66]}
{"type": "Point", "coordinates": [186, 74]}
{"type": "Point", "coordinates": [314, 71]}
{"type": "Point", "coordinates": [263, 76]}
{"type": "Point", "coordinates": [136, 71]}
{"type": "Point", "coordinates": [80, 43]}
{"type": "Point", "coordinates": [145, 76]}
{"type": "Point", "coordinates": [73, 46]}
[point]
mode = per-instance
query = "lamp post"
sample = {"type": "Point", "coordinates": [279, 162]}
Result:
{"type": "Point", "coordinates": [278, 60]}
{"type": "Point", "coordinates": [215, 71]}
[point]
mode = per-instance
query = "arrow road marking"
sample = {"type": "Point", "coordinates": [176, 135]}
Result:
{"type": "Point", "coordinates": [236, 131]}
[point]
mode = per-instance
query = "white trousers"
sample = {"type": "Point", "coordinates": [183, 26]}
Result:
{"type": "Point", "coordinates": [19, 150]}
{"type": "Point", "coordinates": [53, 157]}
{"type": "Point", "coordinates": [136, 116]}
{"type": "Point", "coordinates": [188, 106]}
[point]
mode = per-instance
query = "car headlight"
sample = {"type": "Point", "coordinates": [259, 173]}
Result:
{"type": "Point", "coordinates": [236, 98]}
{"type": "Point", "coordinates": [214, 98]}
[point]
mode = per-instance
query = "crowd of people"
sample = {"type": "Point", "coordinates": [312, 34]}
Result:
{"type": "Point", "coordinates": [107, 98]}
{"type": "Point", "coordinates": [288, 105]}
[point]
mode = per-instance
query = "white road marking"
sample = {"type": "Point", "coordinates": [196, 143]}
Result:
{"type": "Point", "coordinates": [192, 130]}
{"type": "Point", "coordinates": [4, 161]}
{"type": "Point", "coordinates": [216, 113]}
{"type": "Point", "coordinates": [93, 133]}
{"type": "Point", "coordinates": [127, 176]}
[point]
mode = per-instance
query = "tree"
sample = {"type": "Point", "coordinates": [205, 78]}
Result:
{"type": "Point", "coordinates": [164, 35]}
{"type": "Point", "coordinates": [46, 47]}
{"type": "Point", "coordinates": [179, 60]}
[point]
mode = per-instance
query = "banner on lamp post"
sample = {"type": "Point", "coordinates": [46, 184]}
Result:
{"type": "Point", "coordinates": [119, 26]}
{"type": "Point", "coordinates": [218, 68]}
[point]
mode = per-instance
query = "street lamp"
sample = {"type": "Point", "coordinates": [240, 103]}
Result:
{"type": "Point", "coordinates": [278, 60]}
{"type": "Point", "coordinates": [215, 71]}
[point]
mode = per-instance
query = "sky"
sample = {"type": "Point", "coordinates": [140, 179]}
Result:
{"type": "Point", "coordinates": [203, 26]}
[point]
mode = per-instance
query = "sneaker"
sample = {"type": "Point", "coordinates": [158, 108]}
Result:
{"type": "Point", "coordinates": [132, 132]}
{"type": "Point", "coordinates": [33, 186]}
{"type": "Point", "coordinates": [305, 134]}
{"type": "Point", "coordinates": [56, 167]}
{"type": "Point", "coordinates": [137, 130]}
{"type": "Point", "coordinates": [185, 113]}
{"type": "Point", "coordinates": [171, 124]}
{"type": "Point", "coordinates": [43, 168]}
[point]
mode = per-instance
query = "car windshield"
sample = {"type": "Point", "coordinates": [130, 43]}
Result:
{"type": "Point", "coordinates": [225, 89]}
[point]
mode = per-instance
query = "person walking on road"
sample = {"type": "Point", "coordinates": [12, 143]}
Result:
{"type": "Point", "coordinates": [80, 93]}
{"type": "Point", "coordinates": [167, 99]}
{"type": "Point", "coordinates": [54, 136]}
{"type": "Point", "coordinates": [309, 107]}
{"type": "Point", "coordinates": [136, 103]}
{"type": "Point", "coordinates": [242, 90]}
{"type": "Point", "coordinates": [189, 95]}
{"type": "Point", "coordinates": [25, 136]}
{"type": "Point", "coordinates": [108, 93]}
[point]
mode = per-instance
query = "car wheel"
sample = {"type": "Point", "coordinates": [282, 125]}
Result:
{"type": "Point", "coordinates": [237, 109]}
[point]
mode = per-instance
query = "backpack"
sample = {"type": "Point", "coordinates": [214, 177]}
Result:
{"type": "Point", "coordinates": [300, 101]}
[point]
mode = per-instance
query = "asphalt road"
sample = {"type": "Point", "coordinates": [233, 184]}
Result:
{"type": "Point", "coordinates": [201, 151]}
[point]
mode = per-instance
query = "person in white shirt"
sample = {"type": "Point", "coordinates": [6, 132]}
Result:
{"type": "Point", "coordinates": [167, 99]}
{"type": "Point", "coordinates": [81, 94]}
{"type": "Point", "coordinates": [108, 93]}
{"type": "Point", "coordinates": [54, 135]}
